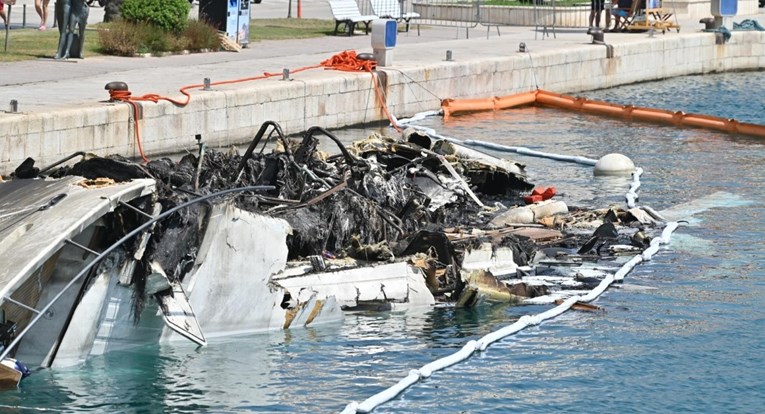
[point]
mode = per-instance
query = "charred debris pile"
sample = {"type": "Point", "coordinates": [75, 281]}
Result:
{"type": "Point", "coordinates": [455, 214]}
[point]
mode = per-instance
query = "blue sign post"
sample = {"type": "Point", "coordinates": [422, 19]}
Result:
{"type": "Point", "coordinates": [723, 10]}
{"type": "Point", "coordinates": [384, 32]}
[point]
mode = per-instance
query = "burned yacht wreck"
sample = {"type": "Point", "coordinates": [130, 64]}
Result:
{"type": "Point", "coordinates": [107, 253]}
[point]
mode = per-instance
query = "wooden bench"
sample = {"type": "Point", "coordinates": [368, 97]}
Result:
{"type": "Point", "coordinates": [391, 9]}
{"type": "Point", "coordinates": [347, 12]}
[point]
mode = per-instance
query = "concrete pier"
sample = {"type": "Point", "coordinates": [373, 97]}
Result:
{"type": "Point", "coordinates": [63, 106]}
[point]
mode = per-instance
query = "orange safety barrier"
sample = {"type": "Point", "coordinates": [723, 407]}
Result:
{"type": "Point", "coordinates": [630, 112]}
{"type": "Point", "coordinates": [345, 61]}
{"type": "Point", "coordinates": [451, 106]}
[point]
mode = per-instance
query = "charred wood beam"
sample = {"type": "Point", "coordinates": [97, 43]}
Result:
{"type": "Point", "coordinates": [321, 196]}
{"type": "Point", "coordinates": [274, 200]}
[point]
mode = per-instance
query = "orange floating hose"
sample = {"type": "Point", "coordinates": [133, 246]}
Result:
{"type": "Point", "coordinates": [571, 103]}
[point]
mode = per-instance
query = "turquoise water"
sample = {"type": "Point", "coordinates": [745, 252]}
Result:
{"type": "Point", "coordinates": [684, 334]}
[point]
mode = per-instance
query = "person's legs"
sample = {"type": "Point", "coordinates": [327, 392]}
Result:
{"type": "Point", "coordinates": [592, 11]}
{"type": "Point", "coordinates": [598, 9]}
{"type": "Point", "coordinates": [44, 15]}
{"type": "Point", "coordinates": [2, 14]}
{"type": "Point", "coordinates": [39, 10]}
{"type": "Point", "coordinates": [608, 18]}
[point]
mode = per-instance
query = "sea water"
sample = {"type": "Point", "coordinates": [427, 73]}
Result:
{"type": "Point", "coordinates": [685, 333]}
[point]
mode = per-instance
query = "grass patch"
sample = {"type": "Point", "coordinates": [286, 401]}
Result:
{"type": "Point", "coordinates": [283, 29]}
{"type": "Point", "coordinates": [29, 43]}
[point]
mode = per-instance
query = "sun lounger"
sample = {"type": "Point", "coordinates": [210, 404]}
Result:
{"type": "Point", "coordinates": [346, 12]}
{"type": "Point", "coordinates": [392, 9]}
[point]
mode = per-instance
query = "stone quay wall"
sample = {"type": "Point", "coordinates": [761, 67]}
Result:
{"type": "Point", "coordinates": [334, 99]}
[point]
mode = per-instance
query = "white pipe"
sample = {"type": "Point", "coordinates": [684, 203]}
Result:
{"type": "Point", "coordinates": [351, 408]}
{"type": "Point", "coordinates": [627, 267]}
{"type": "Point", "coordinates": [667, 232]}
{"type": "Point", "coordinates": [388, 394]}
{"type": "Point", "coordinates": [632, 195]}
{"type": "Point", "coordinates": [459, 356]}
{"type": "Point", "coordinates": [652, 249]}
{"type": "Point", "coordinates": [495, 336]}
{"type": "Point", "coordinates": [419, 117]}
{"type": "Point", "coordinates": [527, 151]}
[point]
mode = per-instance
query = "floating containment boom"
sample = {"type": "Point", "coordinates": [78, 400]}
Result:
{"type": "Point", "coordinates": [629, 112]}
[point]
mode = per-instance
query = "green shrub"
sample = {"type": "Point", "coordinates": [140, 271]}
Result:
{"type": "Point", "coordinates": [128, 39]}
{"type": "Point", "coordinates": [153, 39]}
{"type": "Point", "coordinates": [119, 38]}
{"type": "Point", "coordinates": [201, 35]}
{"type": "Point", "coordinates": [169, 15]}
{"type": "Point", "coordinates": [123, 38]}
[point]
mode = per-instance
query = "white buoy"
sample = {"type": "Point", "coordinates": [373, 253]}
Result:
{"type": "Point", "coordinates": [614, 164]}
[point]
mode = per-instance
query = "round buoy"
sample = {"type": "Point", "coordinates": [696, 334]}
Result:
{"type": "Point", "coordinates": [614, 164]}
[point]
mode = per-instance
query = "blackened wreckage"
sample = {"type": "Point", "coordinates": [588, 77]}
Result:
{"type": "Point", "coordinates": [379, 224]}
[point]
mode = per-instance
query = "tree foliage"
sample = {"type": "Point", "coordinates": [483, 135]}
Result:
{"type": "Point", "coordinates": [169, 15]}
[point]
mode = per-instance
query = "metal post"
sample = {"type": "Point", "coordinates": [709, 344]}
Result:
{"type": "Point", "coordinates": [136, 209]}
{"type": "Point", "coordinates": [24, 15]}
{"type": "Point", "coordinates": [200, 159]}
{"type": "Point", "coordinates": [81, 247]}
{"type": "Point", "coordinates": [21, 305]}
{"type": "Point", "coordinates": [7, 27]}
